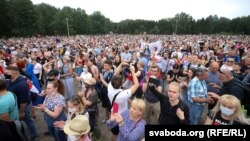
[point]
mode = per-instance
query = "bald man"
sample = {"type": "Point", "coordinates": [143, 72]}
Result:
{"type": "Point", "coordinates": [213, 82]}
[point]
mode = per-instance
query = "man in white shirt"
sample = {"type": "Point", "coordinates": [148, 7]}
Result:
{"type": "Point", "coordinates": [114, 88]}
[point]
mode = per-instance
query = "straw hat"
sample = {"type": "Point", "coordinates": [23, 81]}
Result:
{"type": "Point", "coordinates": [90, 81]}
{"type": "Point", "coordinates": [78, 126]}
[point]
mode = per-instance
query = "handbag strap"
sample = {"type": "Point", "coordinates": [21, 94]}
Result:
{"type": "Point", "coordinates": [114, 99]}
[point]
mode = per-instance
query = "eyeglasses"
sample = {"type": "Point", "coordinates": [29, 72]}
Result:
{"type": "Point", "coordinates": [230, 61]}
{"type": "Point", "coordinates": [153, 70]}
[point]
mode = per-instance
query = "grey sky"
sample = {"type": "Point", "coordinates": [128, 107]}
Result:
{"type": "Point", "coordinates": [118, 10]}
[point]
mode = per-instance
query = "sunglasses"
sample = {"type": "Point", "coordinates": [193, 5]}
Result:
{"type": "Point", "coordinates": [230, 61]}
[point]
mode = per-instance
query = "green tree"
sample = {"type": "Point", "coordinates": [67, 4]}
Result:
{"type": "Point", "coordinates": [5, 29]}
{"type": "Point", "coordinates": [22, 17]}
{"type": "Point", "coordinates": [45, 16]}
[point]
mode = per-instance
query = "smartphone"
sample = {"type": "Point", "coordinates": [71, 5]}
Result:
{"type": "Point", "coordinates": [154, 81]}
{"type": "Point", "coordinates": [115, 107]}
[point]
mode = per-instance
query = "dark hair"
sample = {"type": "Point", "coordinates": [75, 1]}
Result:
{"type": "Point", "coordinates": [109, 62]}
{"type": "Point", "coordinates": [59, 85]}
{"type": "Point", "coordinates": [194, 72]}
{"type": "Point", "coordinates": [2, 85]}
{"type": "Point", "coordinates": [116, 81]}
{"type": "Point", "coordinates": [200, 57]}
{"type": "Point", "coordinates": [176, 66]}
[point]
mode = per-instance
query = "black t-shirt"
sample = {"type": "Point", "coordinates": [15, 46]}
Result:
{"type": "Point", "coordinates": [168, 113]}
{"type": "Point", "coordinates": [178, 74]}
{"type": "Point", "coordinates": [42, 61]}
{"type": "Point", "coordinates": [218, 120]}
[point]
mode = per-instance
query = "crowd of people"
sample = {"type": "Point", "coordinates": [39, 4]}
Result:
{"type": "Point", "coordinates": [139, 80]}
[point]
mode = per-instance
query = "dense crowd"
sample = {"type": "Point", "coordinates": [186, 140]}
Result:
{"type": "Point", "coordinates": [139, 80]}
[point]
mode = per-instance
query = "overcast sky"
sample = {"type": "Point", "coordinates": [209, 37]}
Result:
{"type": "Point", "coordinates": [117, 10]}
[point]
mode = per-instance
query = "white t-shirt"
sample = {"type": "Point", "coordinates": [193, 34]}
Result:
{"type": "Point", "coordinates": [121, 99]}
{"type": "Point", "coordinates": [37, 68]}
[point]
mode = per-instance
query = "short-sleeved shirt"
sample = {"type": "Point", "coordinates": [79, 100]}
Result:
{"type": "Point", "coordinates": [121, 99]}
{"type": "Point", "coordinates": [21, 89]}
{"type": "Point", "coordinates": [8, 105]}
{"type": "Point", "coordinates": [197, 88]}
{"type": "Point", "coordinates": [51, 102]}
{"type": "Point", "coordinates": [37, 68]}
{"type": "Point", "coordinates": [126, 56]}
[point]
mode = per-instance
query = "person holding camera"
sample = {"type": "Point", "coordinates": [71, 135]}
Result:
{"type": "Point", "coordinates": [173, 110]}
{"type": "Point", "coordinates": [152, 111]}
{"type": "Point", "coordinates": [119, 96]}
{"type": "Point", "coordinates": [175, 74]}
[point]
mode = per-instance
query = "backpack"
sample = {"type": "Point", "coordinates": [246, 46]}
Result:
{"type": "Point", "coordinates": [23, 130]}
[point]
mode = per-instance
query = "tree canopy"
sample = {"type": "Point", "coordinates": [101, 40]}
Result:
{"type": "Point", "coordinates": [23, 18]}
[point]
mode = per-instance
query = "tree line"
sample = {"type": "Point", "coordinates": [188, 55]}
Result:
{"type": "Point", "coordinates": [23, 18]}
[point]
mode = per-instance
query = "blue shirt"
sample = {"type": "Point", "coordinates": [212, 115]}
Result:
{"type": "Point", "coordinates": [145, 62]}
{"type": "Point", "coordinates": [8, 104]}
{"type": "Point", "coordinates": [126, 56]}
{"type": "Point", "coordinates": [130, 130]}
{"type": "Point", "coordinates": [236, 58]}
{"type": "Point", "coordinates": [213, 78]}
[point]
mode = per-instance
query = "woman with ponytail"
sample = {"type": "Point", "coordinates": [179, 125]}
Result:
{"type": "Point", "coordinates": [90, 100]}
{"type": "Point", "coordinates": [52, 107]}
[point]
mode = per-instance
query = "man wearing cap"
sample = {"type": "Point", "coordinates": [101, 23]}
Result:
{"type": "Point", "coordinates": [19, 86]}
{"type": "Point", "coordinates": [232, 86]}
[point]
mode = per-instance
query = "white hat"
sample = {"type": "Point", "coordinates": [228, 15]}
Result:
{"type": "Point", "coordinates": [78, 126]}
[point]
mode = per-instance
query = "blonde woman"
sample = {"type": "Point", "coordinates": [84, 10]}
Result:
{"type": "Point", "coordinates": [226, 112]}
{"type": "Point", "coordinates": [131, 124]}
{"type": "Point", "coordinates": [67, 78]}
{"type": "Point", "coordinates": [75, 108]}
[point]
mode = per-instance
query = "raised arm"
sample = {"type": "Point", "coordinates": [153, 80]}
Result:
{"type": "Point", "coordinates": [135, 80]}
